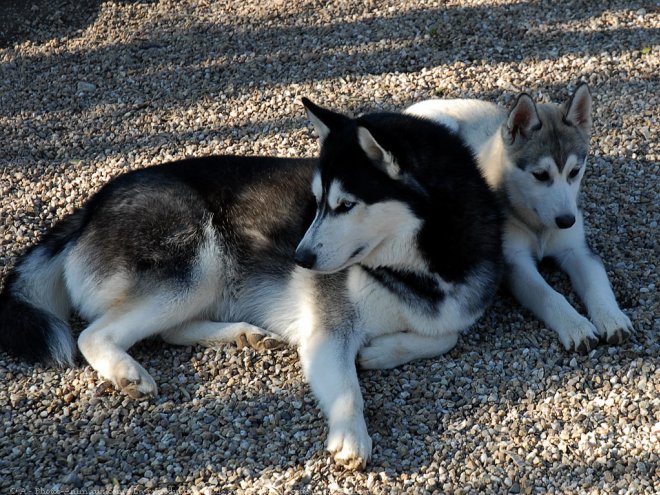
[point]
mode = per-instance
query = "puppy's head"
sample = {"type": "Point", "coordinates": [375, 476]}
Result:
{"type": "Point", "coordinates": [548, 145]}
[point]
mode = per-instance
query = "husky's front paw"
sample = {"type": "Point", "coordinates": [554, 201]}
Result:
{"type": "Point", "coordinates": [580, 335]}
{"type": "Point", "coordinates": [350, 443]}
{"type": "Point", "coordinates": [380, 353]}
{"type": "Point", "coordinates": [613, 326]}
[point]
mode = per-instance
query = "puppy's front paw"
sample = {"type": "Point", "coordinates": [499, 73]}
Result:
{"type": "Point", "coordinates": [613, 325]}
{"type": "Point", "coordinates": [350, 443]}
{"type": "Point", "coordinates": [579, 335]}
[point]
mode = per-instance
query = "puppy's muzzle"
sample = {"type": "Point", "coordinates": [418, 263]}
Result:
{"type": "Point", "coordinates": [565, 221]}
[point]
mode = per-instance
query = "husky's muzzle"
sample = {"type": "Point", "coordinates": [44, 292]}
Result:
{"type": "Point", "coordinates": [305, 258]}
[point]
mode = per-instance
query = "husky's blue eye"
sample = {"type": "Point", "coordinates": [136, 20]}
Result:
{"type": "Point", "coordinates": [574, 173]}
{"type": "Point", "coordinates": [344, 206]}
{"type": "Point", "coordinates": [542, 176]}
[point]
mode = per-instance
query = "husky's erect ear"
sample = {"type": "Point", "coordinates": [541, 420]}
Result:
{"type": "Point", "coordinates": [380, 157]}
{"type": "Point", "coordinates": [523, 120]}
{"type": "Point", "coordinates": [322, 119]}
{"type": "Point", "coordinates": [578, 109]}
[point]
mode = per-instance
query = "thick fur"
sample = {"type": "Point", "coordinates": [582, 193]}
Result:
{"type": "Point", "coordinates": [535, 158]}
{"type": "Point", "coordinates": [202, 251]}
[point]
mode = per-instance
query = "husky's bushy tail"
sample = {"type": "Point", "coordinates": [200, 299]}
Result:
{"type": "Point", "coordinates": [35, 302]}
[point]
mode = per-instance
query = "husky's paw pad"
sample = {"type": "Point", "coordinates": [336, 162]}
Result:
{"type": "Point", "coordinates": [132, 379]}
{"type": "Point", "coordinates": [137, 389]}
{"type": "Point", "coordinates": [351, 464]}
{"type": "Point", "coordinates": [350, 446]}
{"type": "Point", "coordinates": [270, 343]}
{"type": "Point", "coordinates": [259, 341]}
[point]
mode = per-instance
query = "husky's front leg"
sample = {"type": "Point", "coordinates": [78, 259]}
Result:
{"type": "Point", "coordinates": [328, 360]}
{"type": "Point", "coordinates": [533, 292]}
{"type": "Point", "coordinates": [394, 349]}
{"type": "Point", "coordinates": [590, 281]}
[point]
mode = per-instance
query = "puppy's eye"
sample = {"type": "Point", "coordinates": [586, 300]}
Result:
{"type": "Point", "coordinates": [542, 176]}
{"type": "Point", "coordinates": [573, 174]}
{"type": "Point", "coordinates": [344, 206]}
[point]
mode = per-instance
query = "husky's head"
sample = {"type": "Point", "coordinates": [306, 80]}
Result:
{"type": "Point", "coordinates": [547, 146]}
{"type": "Point", "coordinates": [362, 197]}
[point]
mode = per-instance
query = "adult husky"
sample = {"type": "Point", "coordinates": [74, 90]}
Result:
{"type": "Point", "coordinates": [406, 238]}
{"type": "Point", "coordinates": [536, 157]}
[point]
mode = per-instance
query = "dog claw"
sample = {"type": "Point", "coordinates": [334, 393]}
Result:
{"type": "Point", "coordinates": [618, 337]}
{"type": "Point", "coordinates": [583, 348]}
{"type": "Point", "coordinates": [614, 327]}
{"type": "Point", "coordinates": [587, 345]}
{"type": "Point", "coordinates": [131, 388]}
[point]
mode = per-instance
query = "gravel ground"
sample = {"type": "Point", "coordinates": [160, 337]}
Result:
{"type": "Point", "coordinates": [91, 89]}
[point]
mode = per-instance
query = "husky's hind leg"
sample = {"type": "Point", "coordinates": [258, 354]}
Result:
{"type": "Point", "coordinates": [212, 333]}
{"type": "Point", "coordinates": [105, 341]}
{"type": "Point", "coordinates": [388, 351]}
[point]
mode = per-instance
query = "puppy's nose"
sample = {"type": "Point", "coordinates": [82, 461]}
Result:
{"type": "Point", "coordinates": [565, 221]}
{"type": "Point", "coordinates": [305, 258]}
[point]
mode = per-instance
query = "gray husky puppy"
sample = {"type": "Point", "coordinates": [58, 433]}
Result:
{"type": "Point", "coordinates": [535, 157]}
{"type": "Point", "coordinates": [394, 250]}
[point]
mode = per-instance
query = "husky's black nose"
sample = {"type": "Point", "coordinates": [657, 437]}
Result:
{"type": "Point", "coordinates": [305, 258]}
{"type": "Point", "coordinates": [565, 221]}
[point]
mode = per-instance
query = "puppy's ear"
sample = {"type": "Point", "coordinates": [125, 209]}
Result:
{"type": "Point", "coordinates": [578, 109]}
{"type": "Point", "coordinates": [381, 158]}
{"type": "Point", "coordinates": [523, 120]}
{"type": "Point", "coordinates": [322, 119]}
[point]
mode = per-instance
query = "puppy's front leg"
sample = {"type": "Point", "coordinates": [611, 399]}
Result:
{"type": "Point", "coordinates": [328, 360]}
{"type": "Point", "coordinates": [590, 281]}
{"type": "Point", "coordinates": [533, 292]}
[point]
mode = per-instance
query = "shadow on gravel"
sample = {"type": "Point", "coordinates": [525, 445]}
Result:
{"type": "Point", "coordinates": [249, 56]}
{"type": "Point", "coordinates": [137, 76]}
{"type": "Point", "coordinates": [43, 20]}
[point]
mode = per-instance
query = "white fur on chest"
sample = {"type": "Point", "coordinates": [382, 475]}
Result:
{"type": "Point", "coordinates": [382, 312]}
{"type": "Point", "coordinates": [520, 240]}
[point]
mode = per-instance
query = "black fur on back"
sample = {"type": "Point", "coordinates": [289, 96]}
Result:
{"type": "Point", "coordinates": [238, 195]}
